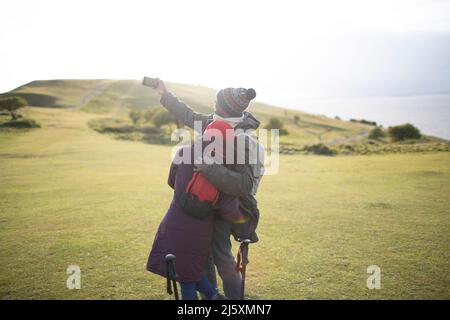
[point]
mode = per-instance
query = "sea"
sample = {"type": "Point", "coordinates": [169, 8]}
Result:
{"type": "Point", "coordinates": [430, 113]}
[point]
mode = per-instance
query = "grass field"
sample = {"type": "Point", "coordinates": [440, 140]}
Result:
{"type": "Point", "coordinates": [69, 195]}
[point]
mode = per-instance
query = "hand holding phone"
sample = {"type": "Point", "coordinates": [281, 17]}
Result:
{"type": "Point", "coordinates": [155, 83]}
{"type": "Point", "coordinates": [150, 82]}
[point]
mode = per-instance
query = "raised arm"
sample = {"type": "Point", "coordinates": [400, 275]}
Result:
{"type": "Point", "coordinates": [179, 109]}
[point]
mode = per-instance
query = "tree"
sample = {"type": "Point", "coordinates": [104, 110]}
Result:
{"type": "Point", "coordinates": [135, 116]}
{"type": "Point", "coordinates": [163, 118]}
{"type": "Point", "coordinates": [12, 104]}
{"type": "Point", "coordinates": [275, 123]}
{"type": "Point", "coordinates": [403, 132]}
{"type": "Point", "coordinates": [296, 119]}
{"type": "Point", "coordinates": [376, 133]}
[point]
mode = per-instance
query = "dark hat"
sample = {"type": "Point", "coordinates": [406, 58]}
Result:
{"type": "Point", "coordinates": [231, 102]}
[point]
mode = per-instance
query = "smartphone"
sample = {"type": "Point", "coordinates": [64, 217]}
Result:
{"type": "Point", "coordinates": [150, 82]}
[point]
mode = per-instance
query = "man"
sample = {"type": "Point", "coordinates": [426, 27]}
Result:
{"type": "Point", "coordinates": [230, 106]}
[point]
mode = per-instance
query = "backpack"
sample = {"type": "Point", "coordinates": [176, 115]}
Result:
{"type": "Point", "coordinates": [199, 197]}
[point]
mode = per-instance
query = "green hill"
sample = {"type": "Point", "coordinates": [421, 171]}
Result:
{"type": "Point", "coordinates": [115, 98]}
{"type": "Point", "coordinates": [112, 100]}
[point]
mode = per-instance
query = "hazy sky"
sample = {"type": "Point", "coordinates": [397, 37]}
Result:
{"type": "Point", "coordinates": [287, 50]}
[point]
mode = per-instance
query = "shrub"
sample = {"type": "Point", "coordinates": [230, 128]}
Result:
{"type": "Point", "coordinates": [349, 147]}
{"type": "Point", "coordinates": [321, 149]}
{"type": "Point", "coordinates": [21, 124]}
{"type": "Point", "coordinates": [296, 119]}
{"type": "Point", "coordinates": [135, 116]}
{"type": "Point", "coordinates": [363, 121]}
{"type": "Point", "coordinates": [121, 129]}
{"type": "Point", "coordinates": [163, 118]}
{"type": "Point", "coordinates": [377, 133]}
{"type": "Point", "coordinates": [275, 123]}
{"type": "Point", "coordinates": [404, 132]}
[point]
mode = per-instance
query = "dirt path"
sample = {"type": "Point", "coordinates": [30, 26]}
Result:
{"type": "Point", "coordinates": [98, 89]}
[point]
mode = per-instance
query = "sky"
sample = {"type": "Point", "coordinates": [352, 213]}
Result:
{"type": "Point", "coordinates": [286, 50]}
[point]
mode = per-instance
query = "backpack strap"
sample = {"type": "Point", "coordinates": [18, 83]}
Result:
{"type": "Point", "coordinates": [191, 182]}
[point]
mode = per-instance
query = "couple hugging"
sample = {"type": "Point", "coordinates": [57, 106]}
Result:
{"type": "Point", "coordinates": [211, 201]}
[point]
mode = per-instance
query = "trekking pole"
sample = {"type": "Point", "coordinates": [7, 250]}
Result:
{"type": "Point", "coordinates": [242, 261]}
{"type": "Point", "coordinates": [171, 275]}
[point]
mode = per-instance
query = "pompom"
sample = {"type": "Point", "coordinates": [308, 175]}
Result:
{"type": "Point", "coordinates": [250, 94]}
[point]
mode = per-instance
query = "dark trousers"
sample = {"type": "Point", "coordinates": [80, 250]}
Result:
{"type": "Point", "coordinates": [189, 289]}
{"type": "Point", "coordinates": [222, 257]}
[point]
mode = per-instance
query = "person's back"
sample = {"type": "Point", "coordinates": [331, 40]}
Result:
{"type": "Point", "coordinates": [187, 237]}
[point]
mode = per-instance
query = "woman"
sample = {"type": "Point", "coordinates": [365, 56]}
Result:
{"type": "Point", "coordinates": [188, 234]}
